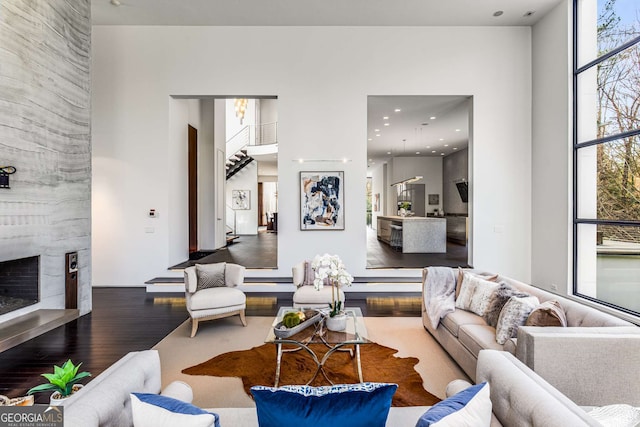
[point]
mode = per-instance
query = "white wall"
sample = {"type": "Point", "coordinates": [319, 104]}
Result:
{"type": "Point", "coordinates": [336, 68]}
{"type": "Point", "coordinates": [246, 220]}
{"type": "Point", "coordinates": [551, 151]}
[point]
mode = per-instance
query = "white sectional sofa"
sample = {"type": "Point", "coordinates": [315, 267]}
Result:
{"type": "Point", "coordinates": [464, 334]}
{"type": "Point", "coordinates": [519, 396]}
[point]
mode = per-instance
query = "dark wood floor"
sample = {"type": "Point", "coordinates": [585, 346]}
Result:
{"type": "Point", "coordinates": [254, 251]}
{"type": "Point", "coordinates": [381, 255]}
{"type": "Point", "coordinates": [129, 319]}
{"type": "Point", "coordinates": [261, 251]}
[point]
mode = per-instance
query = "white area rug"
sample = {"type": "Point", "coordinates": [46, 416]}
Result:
{"type": "Point", "coordinates": [178, 351]}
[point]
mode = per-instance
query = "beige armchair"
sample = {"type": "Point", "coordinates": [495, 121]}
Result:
{"type": "Point", "coordinates": [221, 300]}
{"type": "Point", "coordinates": [306, 295]}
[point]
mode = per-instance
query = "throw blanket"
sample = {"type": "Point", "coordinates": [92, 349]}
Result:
{"type": "Point", "coordinates": [439, 293]}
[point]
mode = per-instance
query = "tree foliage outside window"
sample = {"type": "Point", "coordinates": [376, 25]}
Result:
{"type": "Point", "coordinates": [618, 110]}
{"type": "Point", "coordinates": [606, 245]}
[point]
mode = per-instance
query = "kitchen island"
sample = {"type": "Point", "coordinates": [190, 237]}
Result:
{"type": "Point", "coordinates": [419, 234]}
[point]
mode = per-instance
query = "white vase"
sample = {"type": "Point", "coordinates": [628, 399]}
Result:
{"type": "Point", "coordinates": [337, 322]}
{"type": "Point", "coordinates": [56, 398]}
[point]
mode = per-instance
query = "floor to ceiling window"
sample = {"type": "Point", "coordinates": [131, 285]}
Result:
{"type": "Point", "coordinates": [606, 153]}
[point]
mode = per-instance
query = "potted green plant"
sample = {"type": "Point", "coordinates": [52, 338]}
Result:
{"type": "Point", "coordinates": [63, 381]}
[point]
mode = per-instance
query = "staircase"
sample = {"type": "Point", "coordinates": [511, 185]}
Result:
{"type": "Point", "coordinates": [237, 162]}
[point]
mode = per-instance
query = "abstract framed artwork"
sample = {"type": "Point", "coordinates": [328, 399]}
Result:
{"type": "Point", "coordinates": [240, 199]}
{"type": "Point", "coordinates": [321, 201]}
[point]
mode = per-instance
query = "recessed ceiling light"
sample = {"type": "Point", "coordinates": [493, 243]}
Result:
{"type": "Point", "coordinates": [433, 151]}
{"type": "Point", "coordinates": [397, 110]}
{"type": "Point", "coordinates": [442, 154]}
{"type": "Point", "coordinates": [441, 139]}
{"type": "Point", "coordinates": [446, 145]}
{"type": "Point", "coordinates": [432, 117]}
{"type": "Point", "coordinates": [385, 118]}
{"type": "Point", "coordinates": [388, 152]}
{"type": "Point", "coordinates": [417, 152]}
{"type": "Point", "coordinates": [457, 130]}
{"type": "Point", "coordinates": [497, 13]}
{"type": "Point", "coordinates": [455, 148]}
{"type": "Point", "coordinates": [370, 159]}
{"type": "Point", "coordinates": [386, 124]}
{"type": "Point", "coordinates": [376, 130]}
{"type": "Point", "coordinates": [528, 13]}
{"type": "Point", "coordinates": [115, 2]}
{"type": "Point", "coordinates": [370, 139]}
{"type": "Point", "coordinates": [428, 146]}
{"type": "Point", "coordinates": [377, 134]}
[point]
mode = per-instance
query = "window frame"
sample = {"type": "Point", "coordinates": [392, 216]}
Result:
{"type": "Point", "coordinates": [576, 71]}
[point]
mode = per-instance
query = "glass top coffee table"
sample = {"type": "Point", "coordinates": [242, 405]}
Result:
{"type": "Point", "coordinates": [349, 340]}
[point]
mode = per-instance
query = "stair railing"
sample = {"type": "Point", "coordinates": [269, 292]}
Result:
{"type": "Point", "coordinates": [266, 133]}
{"type": "Point", "coordinates": [238, 141]}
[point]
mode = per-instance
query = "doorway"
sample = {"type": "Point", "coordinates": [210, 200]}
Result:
{"type": "Point", "coordinates": [418, 158]}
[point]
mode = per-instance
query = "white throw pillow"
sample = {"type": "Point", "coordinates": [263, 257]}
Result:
{"type": "Point", "coordinates": [152, 410]}
{"type": "Point", "coordinates": [616, 415]}
{"type": "Point", "coordinates": [475, 294]}
{"type": "Point", "coordinates": [469, 408]}
{"type": "Point", "coordinates": [513, 315]}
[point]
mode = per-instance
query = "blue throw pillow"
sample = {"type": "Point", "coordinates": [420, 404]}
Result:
{"type": "Point", "coordinates": [153, 410]}
{"type": "Point", "coordinates": [471, 407]}
{"type": "Point", "coordinates": [348, 405]}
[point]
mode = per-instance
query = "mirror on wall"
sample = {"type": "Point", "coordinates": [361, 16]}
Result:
{"type": "Point", "coordinates": [417, 161]}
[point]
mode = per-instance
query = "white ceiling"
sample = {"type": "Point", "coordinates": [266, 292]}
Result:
{"type": "Point", "coordinates": [424, 126]}
{"type": "Point", "coordinates": [319, 13]}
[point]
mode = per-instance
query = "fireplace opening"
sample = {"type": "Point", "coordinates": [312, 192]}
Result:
{"type": "Point", "coordinates": [19, 283]}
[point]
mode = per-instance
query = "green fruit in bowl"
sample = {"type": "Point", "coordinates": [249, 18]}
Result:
{"type": "Point", "coordinates": [293, 318]}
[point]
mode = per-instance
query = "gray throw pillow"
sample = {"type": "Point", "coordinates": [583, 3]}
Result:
{"type": "Point", "coordinates": [498, 299]}
{"type": "Point", "coordinates": [210, 275]}
{"type": "Point", "coordinates": [513, 315]}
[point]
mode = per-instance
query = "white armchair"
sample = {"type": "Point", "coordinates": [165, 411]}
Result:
{"type": "Point", "coordinates": [306, 295]}
{"type": "Point", "coordinates": [215, 302]}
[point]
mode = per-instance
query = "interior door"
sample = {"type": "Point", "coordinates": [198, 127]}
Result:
{"type": "Point", "coordinates": [193, 189]}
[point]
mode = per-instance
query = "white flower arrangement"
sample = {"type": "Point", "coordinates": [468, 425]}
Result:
{"type": "Point", "coordinates": [330, 268]}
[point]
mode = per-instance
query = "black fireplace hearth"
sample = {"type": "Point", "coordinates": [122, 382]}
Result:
{"type": "Point", "coordinates": [19, 283]}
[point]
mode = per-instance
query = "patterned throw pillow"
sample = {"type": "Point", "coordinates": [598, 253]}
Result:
{"type": "Point", "coordinates": [309, 274]}
{"type": "Point", "coordinates": [475, 294]}
{"type": "Point", "coordinates": [498, 299]}
{"type": "Point", "coordinates": [460, 278]}
{"type": "Point", "coordinates": [210, 275]}
{"type": "Point", "coordinates": [513, 315]}
{"type": "Point", "coordinates": [353, 405]}
{"type": "Point", "coordinates": [549, 313]}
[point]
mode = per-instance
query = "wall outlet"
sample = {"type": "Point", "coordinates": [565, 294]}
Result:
{"type": "Point", "coordinates": [554, 287]}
